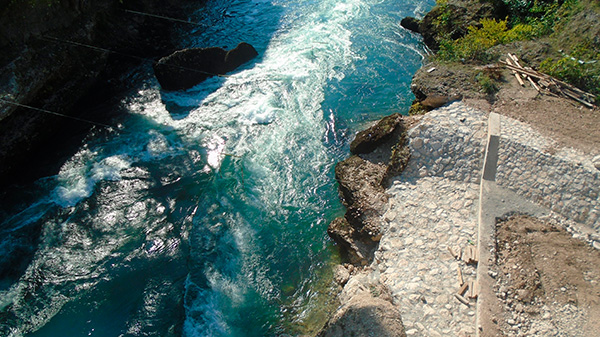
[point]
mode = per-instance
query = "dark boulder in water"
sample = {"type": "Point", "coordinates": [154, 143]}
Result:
{"type": "Point", "coordinates": [411, 24]}
{"type": "Point", "coordinates": [187, 67]}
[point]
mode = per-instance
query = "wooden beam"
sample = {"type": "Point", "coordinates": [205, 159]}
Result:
{"type": "Point", "coordinates": [515, 73]}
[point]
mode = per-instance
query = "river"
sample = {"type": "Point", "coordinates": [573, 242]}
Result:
{"type": "Point", "coordinates": [204, 212]}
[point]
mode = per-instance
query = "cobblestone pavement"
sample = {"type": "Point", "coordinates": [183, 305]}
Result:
{"type": "Point", "coordinates": [433, 207]}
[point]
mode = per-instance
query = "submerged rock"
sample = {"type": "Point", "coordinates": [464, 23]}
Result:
{"type": "Point", "coordinates": [187, 67]}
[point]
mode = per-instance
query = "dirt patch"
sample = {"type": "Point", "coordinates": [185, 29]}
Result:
{"type": "Point", "coordinates": [567, 122]}
{"type": "Point", "coordinates": [548, 283]}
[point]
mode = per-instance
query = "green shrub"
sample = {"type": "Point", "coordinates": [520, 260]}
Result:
{"type": "Point", "coordinates": [582, 75]}
{"type": "Point", "coordinates": [443, 20]}
{"type": "Point", "coordinates": [580, 67]}
{"type": "Point", "coordinates": [488, 85]}
{"type": "Point", "coordinates": [477, 42]}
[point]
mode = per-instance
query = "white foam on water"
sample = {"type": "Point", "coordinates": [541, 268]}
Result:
{"type": "Point", "coordinates": [271, 117]}
{"type": "Point", "coordinates": [77, 178]}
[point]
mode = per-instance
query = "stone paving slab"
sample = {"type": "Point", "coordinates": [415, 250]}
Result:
{"type": "Point", "coordinates": [434, 205]}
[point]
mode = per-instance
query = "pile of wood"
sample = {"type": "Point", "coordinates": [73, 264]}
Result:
{"type": "Point", "coordinates": [467, 289]}
{"type": "Point", "coordinates": [547, 84]}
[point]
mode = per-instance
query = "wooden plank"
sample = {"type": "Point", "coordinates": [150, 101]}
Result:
{"type": "Point", "coordinates": [462, 289]}
{"type": "Point", "coordinates": [462, 300]}
{"type": "Point", "coordinates": [516, 74]}
{"type": "Point", "coordinates": [473, 289]}
{"type": "Point", "coordinates": [466, 255]}
{"type": "Point", "coordinates": [461, 280]}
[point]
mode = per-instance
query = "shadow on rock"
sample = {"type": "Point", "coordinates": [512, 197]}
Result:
{"type": "Point", "coordinates": [379, 153]}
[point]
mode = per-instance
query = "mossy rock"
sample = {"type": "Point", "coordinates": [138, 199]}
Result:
{"type": "Point", "coordinates": [366, 141]}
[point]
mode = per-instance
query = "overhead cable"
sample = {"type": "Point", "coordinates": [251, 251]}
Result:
{"type": "Point", "coordinates": [55, 113]}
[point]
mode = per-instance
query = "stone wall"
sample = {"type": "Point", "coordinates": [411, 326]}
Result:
{"type": "Point", "coordinates": [565, 182]}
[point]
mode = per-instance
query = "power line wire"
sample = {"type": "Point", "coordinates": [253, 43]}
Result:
{"type": "Point", "coordinates": [54, 39]}
{"type": "Point", "coordinates": [164, 17]}
{"type": "Point", "coordinates": [56, 113]}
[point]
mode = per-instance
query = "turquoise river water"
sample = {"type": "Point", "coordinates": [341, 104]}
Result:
{"type": "Point", "coordinates": [205, 212]}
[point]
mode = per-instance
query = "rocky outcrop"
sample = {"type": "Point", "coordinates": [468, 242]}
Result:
{"type": "Point", "coordinates": [411, 24]}
{"type": "Point", "coordinates": [381, 153]}
{"type": "Point", "coordinates": [46, 62]}
{"type": "Point", "coordinates": [364, 197]}
{"type": "Point", "coordinates": [187, 67]}
{"type": "Point", "coordinates": [367, 140]}
{"type": "Point", "coordinates": [367, 310]}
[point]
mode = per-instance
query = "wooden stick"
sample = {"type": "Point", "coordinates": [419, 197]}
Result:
{"type": "Point", "coordinates": [516, 62]}
{"type": "Point", "coordinates": [452, 252]}
{"type": "Point", "coordinates": [575, 97]}
{"type": "Point", "coordinates": [526, 72]}
{"type": "Point", "coordinates": [462, 300]}
{"type": "Point", "coordinates": [538, 75]}
{"type": "Point", "coordinates": [461, 280]}
{"type": "Point", "coordinates": [462, 289]}
{"type": "Point", "coordinates": [575, 94]}
{"type": "Point", "coordinates": [516, 74]}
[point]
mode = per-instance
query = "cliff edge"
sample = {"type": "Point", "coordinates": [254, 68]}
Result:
{"type": "Point", "coordinates": [58, 57]}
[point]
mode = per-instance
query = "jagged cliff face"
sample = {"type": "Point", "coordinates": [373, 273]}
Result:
{"type": "Point", "coordinates": [43, 63]}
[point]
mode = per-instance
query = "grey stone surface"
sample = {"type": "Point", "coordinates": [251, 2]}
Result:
{"type": "Point", "coordinates": [433, 206]}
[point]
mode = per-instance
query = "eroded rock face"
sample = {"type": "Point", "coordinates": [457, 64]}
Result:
{"type": "Point", "coordinates": [367, 311]}
{"type": "Point", "coordinates": [361, 180]}
{"type": "Point", "coordinates": [351, 241]}
{"type": "Point", "coordinates": [187, 67]}
{"type": "Point", "coordinates": [358, 232]}
{"type": "Point", "coordinates": [360, 183]}
{"type": "Point", "coordinates": [366, 141]}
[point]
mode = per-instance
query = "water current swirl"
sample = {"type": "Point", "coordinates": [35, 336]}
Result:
{"type": "Point", "coordinates": [205, 213]}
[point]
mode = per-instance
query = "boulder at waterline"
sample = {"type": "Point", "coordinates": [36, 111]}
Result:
{"type": "Point", "coordinates": [411, 24]}
{"type": "Point", "coordinates": [366, 311]}
{"type": "Point", "coordinates": [187, 67]}
{"type": "Point", "coordinates": [367, 140]}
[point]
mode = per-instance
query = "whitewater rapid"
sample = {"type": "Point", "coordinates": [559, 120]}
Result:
{"type": "Point", "coordinates": [204, 212]}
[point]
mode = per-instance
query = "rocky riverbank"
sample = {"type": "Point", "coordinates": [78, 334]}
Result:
{"type": "Point", "coordinates": [63, 57]}
{"type": "Point", "coordinates": [548, 165]}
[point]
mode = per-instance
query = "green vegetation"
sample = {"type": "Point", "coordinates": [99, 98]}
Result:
{"type": "Point", "coordinates": [477, 42]}
{"type": "Point", "coordinates": [488, 85]}
{"type": "Point", "coordinates": [444, 20]}
{"type": "Point", "coordinates": [527, 20]}
{"type": "Point", "coordinates": [581, 68]}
